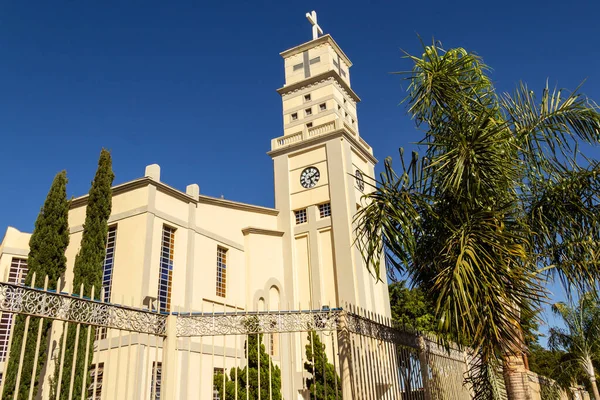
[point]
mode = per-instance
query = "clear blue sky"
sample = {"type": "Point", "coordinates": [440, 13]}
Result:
{"type": "Point", "coordinates": [191, 85]}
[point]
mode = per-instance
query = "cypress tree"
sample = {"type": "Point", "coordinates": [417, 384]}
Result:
{"type": "Point", "coordinates": [47, 247]}
{"type": "Point", "coordinates": [250, 385]}
{"type": "Point", "coordinates": [88, 271]}
{"type": "Point", "coordinates": [325, 380]}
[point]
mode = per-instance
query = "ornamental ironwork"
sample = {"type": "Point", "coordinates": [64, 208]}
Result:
{"type": "Point", "coordinates": [64, 307]}
{"type": "Point", "coordinates": [367, 327]}
{"type": "Point", "coordinates": [232, 323]}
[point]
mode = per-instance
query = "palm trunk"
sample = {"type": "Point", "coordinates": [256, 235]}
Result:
{"type": "Point", "coordinates": [592, 375]}
{"type": "Point", "coordinates": [515, 370]}
{"type": "Point", "coordinates": [595, 388]}
{"type": "Point", "coordinates": [515, 378]}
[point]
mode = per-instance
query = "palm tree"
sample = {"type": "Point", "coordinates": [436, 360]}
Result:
{"type": "Point", "coordinates": [581, 337]}
{"type": "Point", "coordinates": [502, 200]}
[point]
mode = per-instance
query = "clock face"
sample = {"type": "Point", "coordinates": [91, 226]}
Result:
{"type": "Point", "coordinates": [309, 177]}
{"type": "Point", "coordinates": [360, 182]}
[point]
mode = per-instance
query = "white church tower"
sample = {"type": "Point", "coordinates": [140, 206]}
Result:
{"type": "Point", "coordinates": [318, 165]}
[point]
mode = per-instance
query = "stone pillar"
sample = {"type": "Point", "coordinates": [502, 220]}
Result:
{"type": "Point", "coordinates": [424, 367]}
{"type": "Point", "coordinates": [169, 363]}
{"type": "Point", "coordinates": [345, 357]}
{"type": "Point", "coordinates": [515, 378]}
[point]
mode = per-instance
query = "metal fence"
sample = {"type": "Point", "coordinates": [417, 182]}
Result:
{"type": "Point", "coordinates": [228, 352]}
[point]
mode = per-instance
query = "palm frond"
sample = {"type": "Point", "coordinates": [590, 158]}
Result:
{"type": "Point", "coordinates": [389, 223]}
{"type": "Point", "coordinates": [564, 214]}
{"type": "Point", "coordinates": [552, 126]}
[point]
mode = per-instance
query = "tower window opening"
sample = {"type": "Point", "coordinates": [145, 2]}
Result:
{"type": "Point", "coordinates": [323, 107]}
{"type": "Point", "coordinates": [298, 66]}
{"type": "Point", "coordinates": [309, 125]}
{"type": "Point", "coordinates": [307, 97]}
{"type": "Point", "coordinates": [325, 210]}
{"type": "Point", "coordinates": [300, 216]}
{"type": "Point", "coordinates": [308, 111]}
{"type": "Point", "coordinates": [294, 116]}
{"type": "Point", "coordinates": [315, 60]}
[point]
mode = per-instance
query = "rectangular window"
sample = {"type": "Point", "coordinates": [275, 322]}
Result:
{"type": "Point", "coordinates": [325, 210]}
{"type": "Point", "coordinates": [109, 262]}
{"type": "Point", "coordinates": [16, 275]}
{"type": "Point", "coordinates": [221, 271]}
{"type": "Point", "coordinates": [94, 391]}
{"type": "Point", "coordinates": [298, 66]}
{"type": "Point", "coordinates": [309, 125]}
{"type": "Point", "coordinates": [315, 60]}
{"type": "Point", "coordinates": [165, 279]}
{"type": "Point", "coordinates": [307, 97]}
{"type": "Point", "coordinates": [300, 216]}
{"type": "Point", "coordinates": [273, 341]}
{"type": "Point", "coordinates": [156, 381]}
{"type": "Point", "coordinates": [323, 107]}
{"type": "Point", "coordinates": [294, 116]}
{"type": "Point", "coordinates": [308, 111]}
{"type": "Point", "coordinates": [107, 272]}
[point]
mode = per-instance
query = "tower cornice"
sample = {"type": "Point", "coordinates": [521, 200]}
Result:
{"type": "Point", "coordinates": [314, 43]}
{"type": "Point", "coordinates": [340, 133]}
{"type": "Point", "coordinates": [331, 74]}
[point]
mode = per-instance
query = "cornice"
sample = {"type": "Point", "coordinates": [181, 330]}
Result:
{"type": "Point", "coordinates": [325, 39]}
{"type": "Point", "coordinates": [260, 231]}
{"type": "Point", "coordinates": [236, 205]}
{"type": "Point", "coordinates": [171, 191]}
{"type": "Point", "coordinates": [118, 189]}
{"type": "Point", "coordinates": [341, 133]}
{"type": "Point", "coordinates": [317, 79]}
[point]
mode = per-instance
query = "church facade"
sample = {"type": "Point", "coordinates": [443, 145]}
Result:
{"type": "Point", "coordinates": [181, 251]}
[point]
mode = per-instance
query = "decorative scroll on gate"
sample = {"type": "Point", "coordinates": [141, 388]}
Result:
{"type": "Point", "coordinates": [71, 308]}
{"type": "Point", "coordinates": [257, 322]}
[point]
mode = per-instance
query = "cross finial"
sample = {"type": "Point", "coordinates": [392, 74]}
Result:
{"type": "Point", "coordinates": [316, 29]}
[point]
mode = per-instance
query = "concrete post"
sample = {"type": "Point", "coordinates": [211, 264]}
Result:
{"type": "Point", "coordinates": [344, 351]}
{"type": "Point", "coordinates": [169, 380]}
{"type": "Point", "coordinates": [424, 367]}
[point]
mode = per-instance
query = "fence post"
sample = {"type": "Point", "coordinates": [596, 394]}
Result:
{"type": "Point", "coordinates": [344, 355]}
{"type": "Point", "coordinates": [424, 367]}
{"type": "Point", "coordinates": [169, 356]}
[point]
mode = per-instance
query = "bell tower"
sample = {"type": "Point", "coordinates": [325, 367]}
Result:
{"type": "Point", "coordinates": [319, 163]}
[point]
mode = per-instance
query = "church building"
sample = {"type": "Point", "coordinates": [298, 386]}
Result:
{"type": "Point", "coordinates": [178, 250]}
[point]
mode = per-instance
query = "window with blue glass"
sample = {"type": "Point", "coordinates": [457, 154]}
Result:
{"type": "Point", "coordinates": [107, 272]}
{"type": "Point", "coordinates": [109, 262]}
{"type": "Point", "coordinates": [165, 279]}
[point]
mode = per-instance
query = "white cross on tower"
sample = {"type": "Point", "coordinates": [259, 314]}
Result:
{"type": "Point", "coordinates": [316, 29]}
